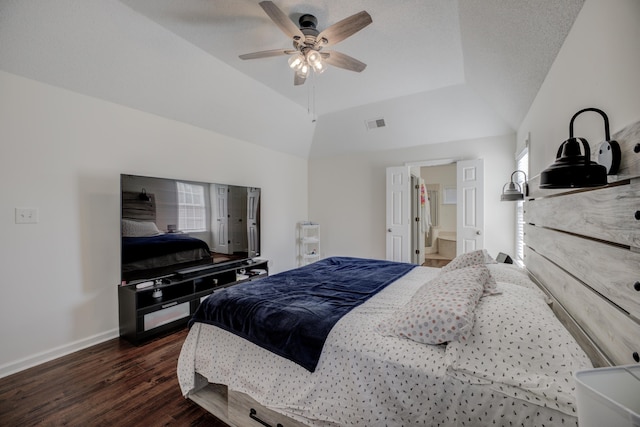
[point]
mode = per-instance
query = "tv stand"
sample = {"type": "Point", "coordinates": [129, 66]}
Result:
{"type": "Point", "coordinates": [196, 269]}
{"type": "Point", "coordinates": [143, 316]}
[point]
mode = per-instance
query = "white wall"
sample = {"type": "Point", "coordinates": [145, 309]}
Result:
{"type": "Point", "coordinates": [347, 194]}
{"type": "Point", "coordinates": [107, 50]}
{"type": "Point", "coordinates": [598, 66]}
{"type": "Point", "coordinates": [63, 154]}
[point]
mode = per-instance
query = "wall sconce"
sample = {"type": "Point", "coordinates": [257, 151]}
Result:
{"type": "Point", "coordinates": [572, 169]}
{"type": "Point", "coordinates": [144, 196]}
{"type": "Point", "coordinates": [514, 191]}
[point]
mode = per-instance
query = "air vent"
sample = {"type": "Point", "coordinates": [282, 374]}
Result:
{"type": "Point", "coordinates": [375, 123]}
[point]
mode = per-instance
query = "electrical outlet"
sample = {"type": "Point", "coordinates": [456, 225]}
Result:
{"type": "Point", "coordinates": [26, 215]}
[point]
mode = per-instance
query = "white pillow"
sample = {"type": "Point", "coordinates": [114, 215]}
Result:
{"type": "Point", "coordinates": [479, 257]}
{"type": "Point", "coordinates": [509, 273]}
{"type": "Point", "coordinates": [442, 310]}
{"type": "Point", "coordinates": [132, 228]}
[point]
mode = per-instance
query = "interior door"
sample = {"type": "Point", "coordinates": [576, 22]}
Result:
{"type": "Point", "coordinates": [470, 209]}
{"type": "Point", "coordinates": [221, 220]}
{"type": "Point", "coordinates": [253, 198]}
{"type": "Point", "coordinates": [398, 241]}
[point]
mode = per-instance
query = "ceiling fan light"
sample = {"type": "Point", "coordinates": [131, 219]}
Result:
{"type": "Point", "coordinates": [296, 62]}
{"type": "Point", "coordinates": [318, 67]}
{"type": "Point", "coordinates": [303, 71]}
{"type": "Point", "coordinates": [313, 57]}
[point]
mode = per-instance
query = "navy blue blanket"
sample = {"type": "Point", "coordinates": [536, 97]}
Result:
{"type": "Point", "coordinates": [291, 313]}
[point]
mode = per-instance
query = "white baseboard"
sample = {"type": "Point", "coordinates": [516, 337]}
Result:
{"type": "Point", "coordinates": [46, 356]}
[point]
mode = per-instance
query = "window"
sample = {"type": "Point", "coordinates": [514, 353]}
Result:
{"type": "Point", "coordinates": [522, 163]}
{"type": "Point", "coordinates": [191, 207]}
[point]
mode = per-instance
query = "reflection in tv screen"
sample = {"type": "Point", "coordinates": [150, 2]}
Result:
{"type": "Point", "coordinates": [169, 225]}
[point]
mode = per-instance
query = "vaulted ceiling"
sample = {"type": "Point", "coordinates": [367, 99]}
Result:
{"type": "Point", "coordinates": [437, 70]}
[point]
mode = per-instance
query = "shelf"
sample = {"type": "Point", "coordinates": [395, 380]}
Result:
{"type": "Point", "coordinates": [144, 317]}
{"type": "Point", "coordinates": [308, 241]}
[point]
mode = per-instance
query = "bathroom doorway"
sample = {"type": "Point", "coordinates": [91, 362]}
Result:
{"type": "Point", "coordinates": [467, 196]}
{"type": "Point", "coordinates": [441, 235]}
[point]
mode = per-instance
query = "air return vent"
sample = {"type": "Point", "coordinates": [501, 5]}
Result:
{"type": "Point", "coordinates": [375, 123]}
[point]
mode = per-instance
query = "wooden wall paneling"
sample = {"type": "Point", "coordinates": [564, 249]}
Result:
{"type": "Point", "coordinates": [607, 213]}
{"type": "Point", "coordinates": [134, 208]}
{"type": "Point", "coordinates": [615, 333]}
{"type": "Point", "coordinates": [610, 270]}
{"type": "Point", "coordinates": [629, 140]}
{"type": "Point", "coordinates": [598, 358]}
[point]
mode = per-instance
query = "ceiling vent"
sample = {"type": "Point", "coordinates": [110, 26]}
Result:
{"type": "Point", "coordinates": [375, 123]}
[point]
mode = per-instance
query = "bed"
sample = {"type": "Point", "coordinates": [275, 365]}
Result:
{"type": "Point", "coordinates": [369, 376]}
{"type": "Point", "coordinates": [574, 306]}
{"type": "Point", "coordinates": [149, 252]}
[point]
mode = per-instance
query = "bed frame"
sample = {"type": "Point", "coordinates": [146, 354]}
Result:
{"type": "Point", "coordinates": [583, 249]}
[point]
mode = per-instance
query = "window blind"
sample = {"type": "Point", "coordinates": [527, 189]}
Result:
{"type": "Point", "coordinates": [522, 161]}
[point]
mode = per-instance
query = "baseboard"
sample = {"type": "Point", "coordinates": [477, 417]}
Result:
{"type": "Point", "coordinates": [46, 356]}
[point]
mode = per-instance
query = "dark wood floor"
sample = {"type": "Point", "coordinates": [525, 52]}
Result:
{"type": "Point", "coordinates": [113, 383]}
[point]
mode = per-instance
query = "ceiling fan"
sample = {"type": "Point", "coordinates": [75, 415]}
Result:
{"type": "Point", "coordinates": [309, 43]}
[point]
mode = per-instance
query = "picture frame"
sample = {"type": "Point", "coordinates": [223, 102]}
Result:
{"type": "Point", "coordinates": [449, 195]}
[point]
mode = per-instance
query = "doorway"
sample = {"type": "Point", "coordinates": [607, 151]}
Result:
{"type": "Point", "coordinates": [440, 234]}
{"type": "Point", "coordinates": [467, 196]}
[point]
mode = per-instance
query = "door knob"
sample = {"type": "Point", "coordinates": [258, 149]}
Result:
{"type": "Point", "coordinates": [478, 232]}
{"type": "Point", "coordinates": [389, 230]}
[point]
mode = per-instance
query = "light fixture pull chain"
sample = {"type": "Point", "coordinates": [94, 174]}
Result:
{"type": "Point", "coordinates": [308, 100]}
{"type": "Point", "coordinates": [311, 98]}
{"type": "Point", "coordinates": [313, 117]}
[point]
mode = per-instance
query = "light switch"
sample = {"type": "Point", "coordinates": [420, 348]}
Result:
{"type": "Point", "coordinates": [26, 215]}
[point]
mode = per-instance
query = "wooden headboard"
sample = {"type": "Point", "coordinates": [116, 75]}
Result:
{"type": "Point", "coordinates": [583, 248]}
{"type": "Point", "coordinates": [133, 207]}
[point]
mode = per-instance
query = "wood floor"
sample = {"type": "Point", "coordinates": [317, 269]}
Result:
{"type": "Point", "coordinates": [113, 383]}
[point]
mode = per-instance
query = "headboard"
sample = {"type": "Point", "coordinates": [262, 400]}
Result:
{"type": "Point", "coordinates": [134, 207]}
{"type": "Point", "coordinates": [583, 248]}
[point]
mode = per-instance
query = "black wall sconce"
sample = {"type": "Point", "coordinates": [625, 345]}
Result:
{"type": "Point", "coordinates": [512, 191]}
{"type": "Point", "coordinates": [144, 196]}
{"type": "Point", "coordinates": [572, 169]}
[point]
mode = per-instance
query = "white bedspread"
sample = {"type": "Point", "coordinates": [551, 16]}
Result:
{"type": "Point", "coordinates": [363, 378]}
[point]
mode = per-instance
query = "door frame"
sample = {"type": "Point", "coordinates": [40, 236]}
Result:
{"type": "Point", "coordinates": [438, 162]}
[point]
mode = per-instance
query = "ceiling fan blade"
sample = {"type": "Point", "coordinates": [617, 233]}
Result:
{"type": "Point", "coordinates": [341, 60]}
{"type": "Point", "coordinates": [345, 28]}
{"type": "Point", "coordinates": [281, 20]}
{"type": "Point", "coordinates": [267, 53]}
{"type": "Point", "coordinates": [298, 79]}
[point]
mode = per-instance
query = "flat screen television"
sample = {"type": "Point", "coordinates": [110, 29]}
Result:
{"type": "Point", "coordinates": [174, 226]}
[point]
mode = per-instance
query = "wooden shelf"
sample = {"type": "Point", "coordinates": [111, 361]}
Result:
{"type": "Point", "coordinates": [144, 314]}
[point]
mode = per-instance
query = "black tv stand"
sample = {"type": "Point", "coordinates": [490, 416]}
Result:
{"type": "Point", "coordinates": [145, 313]}
{"type": "Point", "coordinates": [196, 269]}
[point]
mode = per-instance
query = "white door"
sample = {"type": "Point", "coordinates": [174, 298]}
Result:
{"type": "Point", "coordinates": [470, 209]}
{"type": "Point", "coordinates": [398, 240]}
{"type": "Point", "coordinates": [221, 220]}
{"type": "Point", "coordinates": [253, 198]}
